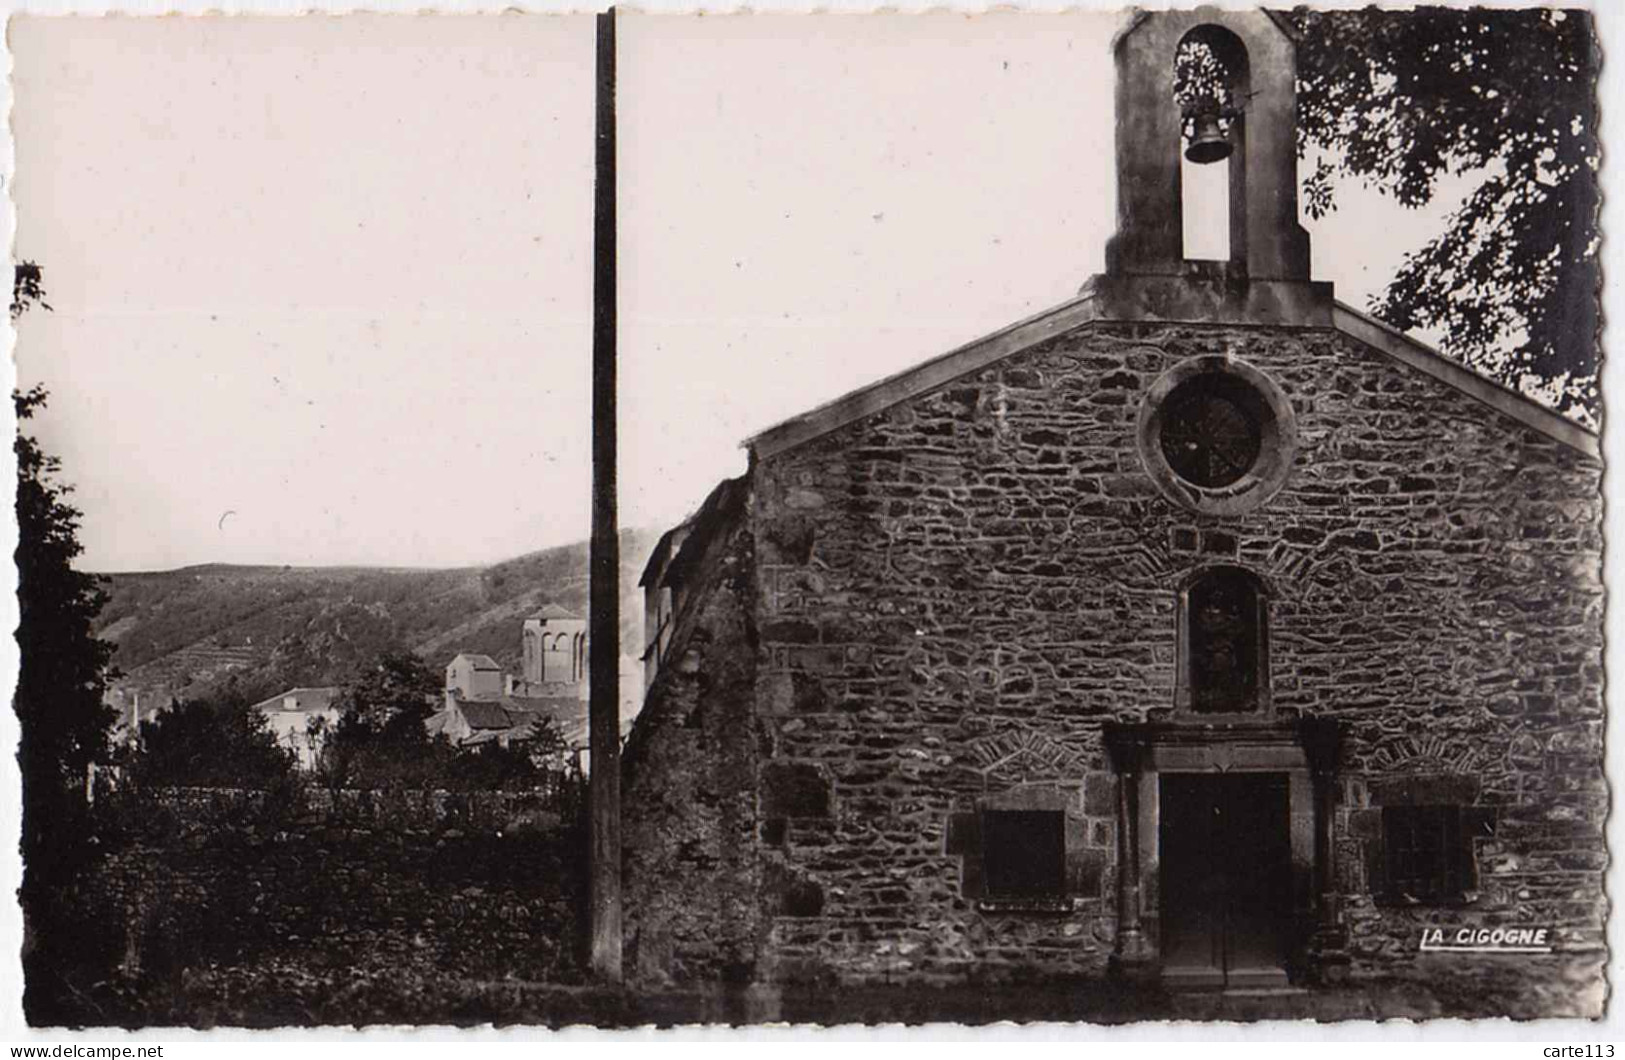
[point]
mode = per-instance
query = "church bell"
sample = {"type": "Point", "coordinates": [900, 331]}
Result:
{"type": "Point", "coordinates": [1208, 140]}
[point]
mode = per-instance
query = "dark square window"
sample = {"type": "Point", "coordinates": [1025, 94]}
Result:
{"type": "Point", "coordinates": [1427, 854]}
{"type": "Point", "coordinates": [1024, 852]}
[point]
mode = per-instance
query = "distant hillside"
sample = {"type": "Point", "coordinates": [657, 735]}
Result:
{"type": "Point", "coordinates": [190, 631]}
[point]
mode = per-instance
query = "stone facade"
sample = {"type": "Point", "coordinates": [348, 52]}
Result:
{"type": "Point", "coordinates": [945, 605]}
{"type": "Point", "coordinates": [555, 648]}
{"type": "Point", "coordinates": [691, 768]}
{"type": "Point", "coordinates": [984, 577]}
{"type": "Point", "coordinates": [960, 603]}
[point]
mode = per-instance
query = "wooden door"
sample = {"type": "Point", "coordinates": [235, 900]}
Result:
{"type": "Point", "coordinates": [1225, 865]}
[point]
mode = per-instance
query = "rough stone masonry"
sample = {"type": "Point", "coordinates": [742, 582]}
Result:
{"type": "Point", "coordinates": [960, 602]}
{"type": "Point", "coordinates": [948, 601]}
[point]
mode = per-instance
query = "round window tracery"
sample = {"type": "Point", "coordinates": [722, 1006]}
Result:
{"type": "Point", "coordinates": [1217, 435]}
{"type": "Point", "coordinates": [1208, 436]}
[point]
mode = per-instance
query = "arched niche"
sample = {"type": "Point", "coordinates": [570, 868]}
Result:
{"type": "Point", "coordinates": [1211, 87]}
{"type": "Point", "coordinates": [1223, 642]}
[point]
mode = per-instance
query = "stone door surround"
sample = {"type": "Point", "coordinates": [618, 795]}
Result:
{"type": "Point", "coordinates": [1304, 749]}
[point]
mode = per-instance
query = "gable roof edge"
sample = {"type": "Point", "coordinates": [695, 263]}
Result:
{"type": "Point", "coordinates": [944, 368]}
{"type": "Point", "coordinates": [1526, 410]}
{"type": "Point", "coordinates": [1007, 341]}
{"type": "Point", "coordinates": [328, 693]}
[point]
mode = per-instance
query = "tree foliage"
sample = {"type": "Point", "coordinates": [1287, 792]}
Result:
{"type": "Point", "coordinates": [1203, 83]}
{"type": "Point", "coordinates": [391, 700]}
{"type": "Point", "coordinates": [381, 741]}
{"type": "Point", "coordinates": [27, 288]}
{"type": "Point", "coordinates": [1398, 99]}
{"type": "Point", "coordinates": [63, 668]}
{"type": "Point", "coordinates": [62, 674]}
{"type": "Point", "coordinates": [203, 744]}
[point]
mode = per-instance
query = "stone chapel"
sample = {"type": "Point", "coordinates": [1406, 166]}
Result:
{"type": "Point", "coordinates": [1201, 629]}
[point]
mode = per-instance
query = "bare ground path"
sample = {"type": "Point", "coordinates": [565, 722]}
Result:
{"type": "Point", "coordinates": [411, 998]}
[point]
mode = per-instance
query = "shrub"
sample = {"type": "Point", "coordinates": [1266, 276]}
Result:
{"type": "Point", "coordinates": [199, 744]}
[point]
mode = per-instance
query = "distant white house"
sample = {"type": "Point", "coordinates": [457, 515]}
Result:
{"type": "Point", "coordinates": [474, 676]}
{"type": "Point", "coordinates": [289, 716]}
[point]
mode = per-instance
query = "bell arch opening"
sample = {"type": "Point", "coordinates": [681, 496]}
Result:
{"type": "Point", "coordinates": [1210, 89]}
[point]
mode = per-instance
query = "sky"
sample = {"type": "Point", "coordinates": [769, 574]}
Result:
{"type": "Point", "coordinates": [323, 290]}
{"type": "Point", "coordinates": [840, 205]}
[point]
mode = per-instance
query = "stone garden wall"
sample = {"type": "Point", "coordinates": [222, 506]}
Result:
{"type": "Point", "coordinates": [228, 887]}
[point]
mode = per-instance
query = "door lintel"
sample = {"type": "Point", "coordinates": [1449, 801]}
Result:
{"type": "Point", "coordinates": [1182, 747]}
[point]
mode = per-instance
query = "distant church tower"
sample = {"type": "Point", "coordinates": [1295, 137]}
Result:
{"type": "Point", "coordinates": [555, 647]}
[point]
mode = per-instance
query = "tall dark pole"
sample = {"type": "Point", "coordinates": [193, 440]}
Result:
{"type": "Point", "coordinates": [605, 606]}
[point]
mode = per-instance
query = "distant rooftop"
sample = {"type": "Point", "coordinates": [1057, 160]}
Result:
{"type": "Point", "coordinates": [480, 662]}
{"type": "Point", "coordinates": [555, 611]}
{"type": "Point", "coordinates": [518, 717]}
{"type": "Point", "coordinates": [307, 699]}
